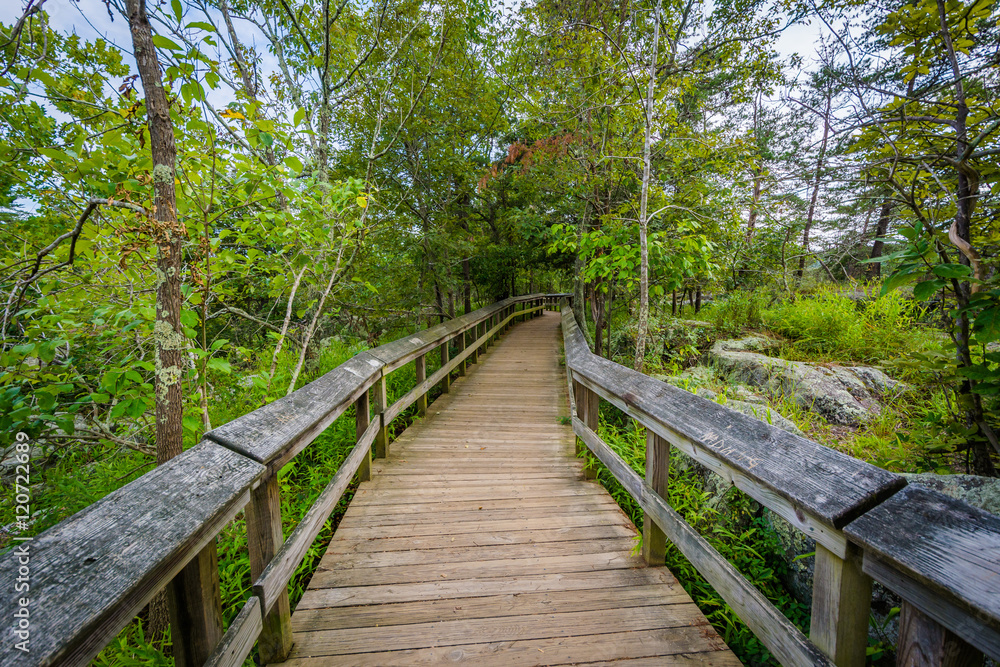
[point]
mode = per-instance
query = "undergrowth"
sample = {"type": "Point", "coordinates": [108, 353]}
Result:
{"type": "Point", "coordinates": [830, 324]}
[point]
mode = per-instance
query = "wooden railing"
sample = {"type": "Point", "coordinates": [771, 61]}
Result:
{"type": "Point", "coordinates": [940, 555]}
{"type": "Point", "coordinates": [90, 574]}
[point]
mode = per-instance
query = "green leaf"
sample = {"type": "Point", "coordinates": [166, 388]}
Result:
{"type": "Point", "coordinates": [220, 365]}
{"type": "Point", "coordinates": [952, 270]}
{"type": "Point", "coordinates": [162, 42]}
{"type": "Point", "coordinates": [987, 325]}
{"type": "Point", "coordinates": [200, 25]}
{"type": "Point", "coordinates": [897, 280]}
{"type": "Point", "coordinates": [979, 372]}
{"type": "Point", "coordinates": [178, 12]}
{"type": "Point", "coordinates": [266, 139]}
{"type": "Point", "coordinates": [300, 115]}
{"type": "Point", "coordinates": [926, 289]}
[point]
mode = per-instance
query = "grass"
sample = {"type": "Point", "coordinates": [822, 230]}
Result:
{"type": "Point", "coordinates": [830, 325]}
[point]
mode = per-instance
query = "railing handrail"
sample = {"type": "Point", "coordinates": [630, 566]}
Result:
{"type": "Point", "coordinates": [941, 555]}
{"type": "Point", "coordinates": [91, 573]}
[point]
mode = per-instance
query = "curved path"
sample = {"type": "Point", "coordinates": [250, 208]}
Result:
{"type": "Point", "coordinates": [479, 542]}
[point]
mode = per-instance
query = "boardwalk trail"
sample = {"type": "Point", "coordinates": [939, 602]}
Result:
{"type": "Point", "coordinates": [478, 541]}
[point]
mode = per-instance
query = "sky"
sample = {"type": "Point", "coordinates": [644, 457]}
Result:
{"type": "Point", "coordinates": [89, 19]}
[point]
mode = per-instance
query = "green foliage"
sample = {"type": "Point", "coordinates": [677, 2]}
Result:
{"type": "Point", "coordinates": [737, 311]}
{"type": "Point", "coordinates": [831, 324]}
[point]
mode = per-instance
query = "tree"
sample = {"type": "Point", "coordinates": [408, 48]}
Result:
{"type": "Point", "coordinates": [930, 127]}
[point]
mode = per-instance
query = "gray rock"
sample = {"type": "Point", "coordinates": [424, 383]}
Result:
{"type": "Point", "coordinates": [843, 395]}
{"type": "Point", "coordinates": [981, 492]}
{"type": "Point", "coordinates": [744, 394]}
{"type": "Point", "coordinates": [765, 414]}
{"type": "Point", "coordinates": [246, 382]}
{"type": "Point", "coordinates": [799, 579]}
{"type": "Point", "coordinates": [747, 344]}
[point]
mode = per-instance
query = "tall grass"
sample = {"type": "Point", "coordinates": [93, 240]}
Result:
{"type": "Point", "coordinates": [830, 324]}
{"type": "Point", "coordinates": [737, 311]}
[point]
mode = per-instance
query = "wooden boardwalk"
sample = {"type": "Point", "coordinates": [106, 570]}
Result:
{"type": "Point", "coordinates": [478, 541]}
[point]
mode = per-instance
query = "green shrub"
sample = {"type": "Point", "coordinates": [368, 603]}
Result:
{"type": "Point", "coordinates": [830, 323]}
{"type": "Point", "coordinates": [738, 311]}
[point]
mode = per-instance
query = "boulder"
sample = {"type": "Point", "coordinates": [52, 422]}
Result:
{"type": "Point", "coordinates": [981, 492]}
{"type": "Point", "coordinates": [847, 395]}
{"type": "Point", "coordinates": [765, 414]}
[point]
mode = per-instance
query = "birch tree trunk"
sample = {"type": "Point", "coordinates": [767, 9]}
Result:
{"type": "Point", "coordinates": [640, 343]}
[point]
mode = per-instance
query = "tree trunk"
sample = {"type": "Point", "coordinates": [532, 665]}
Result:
{"type": "Point", "coordinates": [467, 279]}
{"type": "Point", "coordinates": [967, 195]}
{"type": "Point", "coordinates": [168, 338]}
{"type": "Point", "coordinates": [810, 215]}
{"type": "Point", "coordinates": [611, 303]}
{"type": "Point", "coordinates": [640, 345]}
{"type": "Point", "coordinates": [875, 268]}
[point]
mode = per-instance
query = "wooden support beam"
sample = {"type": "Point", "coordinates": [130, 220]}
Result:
{"type": "Point", "coordinates": [264, 538]}
{"type": "Point", "coordinates": [381, 404]}
{"type": "Point", "coordinates": [445, 358]}
{"type": "Point", "coordinates": [654, 540]}
{"type": "Point", "coordinates": [841, 604]}
{"type": "Point", "coordinates": [578, 401]}
{"type": "Point", "coordinates": [588, 405]}
{"type": "Point", "coordinates": [420, 364]}
{"type": "Point", "coordinates": [461, 348]}
{"type": "Point", "coordinates": [240, 637]}
{"type": "Point", "coordinates": [362, 420]}
{"type": "Point", "coordinates": [196, 609]}
{"type": "Point", "coordinates": [923, 642]}
{"type": "Point", "coordinates": [474, 357]}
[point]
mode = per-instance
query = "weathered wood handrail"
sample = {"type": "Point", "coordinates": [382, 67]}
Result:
{"type": "Point", "coordinates": [845, 505]}
{"type": "Point", "coordinates": [93, 572]}
{"type": "Point", "coordinates": [942, 557]}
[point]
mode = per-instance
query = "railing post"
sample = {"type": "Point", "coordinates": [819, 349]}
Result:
{"type": "Point", "coordinates": [841, 605]}
{"type": "Point", "coordinates": [264, 538]}
{"type": "Point", "coordinates": [361, 421]}
{"type": "Point", "coordinates": [195, 604]}
{"type": "Point", "coordinates": [381, 403]}
{"type": "Point", "coordinates": [445, 358]}
{"type": "Point", "coordinates": [420, 366]}
{"type": "Point", "coordinates": [593, 405]}
{"type": "Point", "coordinates": [923, 642]}
{"type": "Point", "coordinates": [461, 348]}
{"type": "Point", "coordinates": [588, 405]}
{"type": "Point", "coordinates": [654, 541]}
{"type": "Point", "coordinates": [474, 357]}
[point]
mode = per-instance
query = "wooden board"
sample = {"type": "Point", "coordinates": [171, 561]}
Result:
{"type": "Point", "coordinates": [93, 572]}
{"type": "Point", "coordinates": [478, 541]}
{"type": "Point", "coordinates": [827, 485]}
{"type": "Point", "coordinates": [940, 555]}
